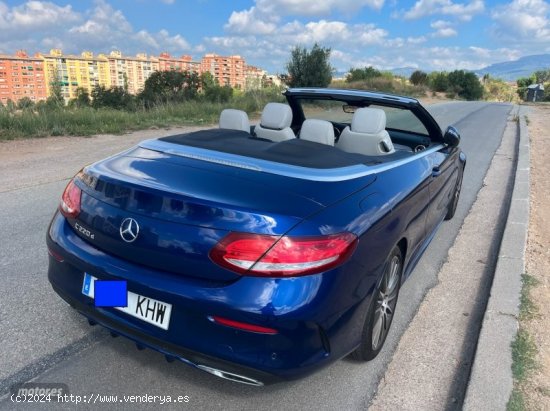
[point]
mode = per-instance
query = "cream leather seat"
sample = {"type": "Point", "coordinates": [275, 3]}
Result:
{"type": "Point", "coordinates": [367, 134]}
{"type": "Point", "coordinates": [319, 131]}
{"type": "Point", "coordinates": [275, 123]}
{"type": "Point", "coordinates": [234, 120]}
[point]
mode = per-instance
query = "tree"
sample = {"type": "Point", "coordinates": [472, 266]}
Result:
{"type": "Point", "coordinates": [309, 68]}
{"type": "Point", "coordinates": [358, 74]}
{"type": "Point", "coordinates": [212, 91]}
{"type": "Point", "coordinates": [542, 76]}
{"type": "Point", "coordinates": [170, 86]}
{"type": "Point", "coordinates": [82, 98]}
{"type": "Point", "coordinates": [114, 97]}
{"type": "Point", "coordinates": [56, 92]}
{"type": "Point", "coordinates": [418, 77]}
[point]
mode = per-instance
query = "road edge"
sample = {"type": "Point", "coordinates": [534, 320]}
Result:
{"type": "Point", "coordinates": [491, 381]}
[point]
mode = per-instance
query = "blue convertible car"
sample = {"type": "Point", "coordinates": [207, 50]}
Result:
{"type": "Point", "coordinates": [261, 253]}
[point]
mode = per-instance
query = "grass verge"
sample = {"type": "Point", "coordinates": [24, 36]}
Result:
{"type": "Point", "coordinates": [88, 121]}
{"type": "Point", "coordinates": [524, 349]}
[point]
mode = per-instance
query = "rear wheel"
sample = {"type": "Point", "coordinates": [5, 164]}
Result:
{"type": "Point", "coordinates": [382, 309]}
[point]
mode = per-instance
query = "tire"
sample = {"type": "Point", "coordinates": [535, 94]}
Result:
{"type": "Point", "coordinates": [382, 309]}
{"type": "Point", "coordinates": [456, 195]}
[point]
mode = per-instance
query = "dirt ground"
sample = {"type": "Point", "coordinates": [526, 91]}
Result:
{"type": "Point", "coordinates": [537, 387]}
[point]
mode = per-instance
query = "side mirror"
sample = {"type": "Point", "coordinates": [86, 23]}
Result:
{"type": "Point", "coordinates": [451, 137]}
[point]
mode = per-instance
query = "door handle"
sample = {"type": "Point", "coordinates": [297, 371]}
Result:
{"type": "Point", "coordinates": [436, 171]}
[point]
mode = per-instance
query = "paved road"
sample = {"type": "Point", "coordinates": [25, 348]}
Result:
{"type": "Point", "coordinates": [43, 338]}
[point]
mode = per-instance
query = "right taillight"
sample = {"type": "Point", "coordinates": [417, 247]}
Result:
{"type": "Point", "coordinates": [288, 256]}
{"type": "Point", "coordinates": [70, 200]}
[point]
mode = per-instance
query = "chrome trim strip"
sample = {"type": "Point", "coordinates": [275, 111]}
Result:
{"type": "Point", "coordinates": [226, 375]}
{"type": "Point", "coordinates": [287, 170]}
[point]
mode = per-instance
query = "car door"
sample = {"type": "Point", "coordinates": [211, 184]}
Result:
{"type": "Point", "coordinates": [442, 185]}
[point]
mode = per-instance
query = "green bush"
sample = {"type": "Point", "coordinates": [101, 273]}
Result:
{"type": "Point", "coordinates": [437, 80]}
{"type": "Point", "coordinates": [419, 77]}
{"type": "Point", "coordinates": [25, 103]}
{"type": "Point", "coordinates": [362, 74]}
{"type": "Point", "coordinates": [115, 97]}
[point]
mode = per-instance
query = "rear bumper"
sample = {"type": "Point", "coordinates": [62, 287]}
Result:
{"type": "Point", "coordinates": [195, 359]}
{"type": "Point", "coordinates": [309, 335]}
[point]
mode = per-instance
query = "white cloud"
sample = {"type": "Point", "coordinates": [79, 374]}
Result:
{"type": "Point", "coordinates": [251, 21]}
{"type": "Point", "coordinates": [18, 21]}
{"type": "Point", "coordinates": [263, 17]}
{"type": "Point", "coordinates": [416, 40]}
{"type": "Point", "coordinates": [443, 29]}
{"type": "Point", "coordinates": [523, 22]}
{"type": "Point", "coordinates": [41, 25]}
{"type": "Point", "coordinates": [316, 7]}
{"type": "Point", "coordinates": [274, 51]}
{"type": "Point", "coordinates": [107, 28]}
{"type": "Point", "coordinates": [462, 11]}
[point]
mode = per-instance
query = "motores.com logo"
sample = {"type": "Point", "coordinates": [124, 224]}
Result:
{"type": "Point", "coordinates": [42, 390]}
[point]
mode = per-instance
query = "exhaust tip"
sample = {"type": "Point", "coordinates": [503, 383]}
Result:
{"type": "Point", "coordinates": [230, 376]}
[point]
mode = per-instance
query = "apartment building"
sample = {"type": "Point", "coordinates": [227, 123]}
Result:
{"type": "Point", "coordinates": [131, 72]}
{"type": "Point", "coordinates": [71, 72]}
{"type": "Point", "coordinates": [25, 76]}
{"type": "Point", "coordinates": [183, 63]}
{"type": "Point", "coordinates": [21, 76]}
{"type": "Point", "coordinates": [229, 71]}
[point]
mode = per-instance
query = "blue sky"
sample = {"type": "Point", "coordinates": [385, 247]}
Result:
{"type": "Point", "coordinates": [428, 34]}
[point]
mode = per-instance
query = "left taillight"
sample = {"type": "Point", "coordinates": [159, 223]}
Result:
{"type": "Point", "coordinates": [288, 256]}
{"type": "Point", "coordinates": [70, 200]}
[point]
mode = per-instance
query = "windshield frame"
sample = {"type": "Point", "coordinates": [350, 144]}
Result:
{"type": "Point", "coordinates": [362, 98]}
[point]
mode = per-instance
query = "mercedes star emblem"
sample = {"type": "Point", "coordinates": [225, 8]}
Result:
{"type": "Point", "coordinates": [129, 230]}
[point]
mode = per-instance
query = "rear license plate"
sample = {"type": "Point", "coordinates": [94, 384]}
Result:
{"type": "Point", "coordinates": [146, 309]}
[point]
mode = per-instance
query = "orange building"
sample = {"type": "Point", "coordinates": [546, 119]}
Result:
{"type": "Point", "coordinates": [21, 76]}
{"type": "Point", "coordinates": [229, 71]}
{"type": "Point", "coordinates": [184, 63]}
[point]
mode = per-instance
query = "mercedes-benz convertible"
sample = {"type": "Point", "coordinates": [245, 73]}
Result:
{"type": "Point", "coordinates": [261, 253]}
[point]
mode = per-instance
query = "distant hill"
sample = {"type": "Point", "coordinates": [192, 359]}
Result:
{"type": "Point", "coordinates": [507, 70]}
{"type": "Point", "coordinates": [512, 70]}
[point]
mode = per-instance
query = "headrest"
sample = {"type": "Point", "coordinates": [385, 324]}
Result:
{"type": "Point", "coordinates": [234, 120]}
{"type": "Point", "coordinates": [368, 120]}
{"type": "Point", "coordinates": [276, 116]}
{"type": "Point", "coordinates": [319, 131]}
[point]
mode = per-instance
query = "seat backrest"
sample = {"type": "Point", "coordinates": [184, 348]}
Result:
{"type": "Point", "coordinates": [367, 134]}
{"type": "Point", "coordinates": [319, 131]}
{"type": "Point", "coordinates": [234, 120]}
{"type": "Point", "coordinates": [275, 123]}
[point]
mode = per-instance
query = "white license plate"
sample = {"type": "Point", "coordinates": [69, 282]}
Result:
{"type": "Point", "coordinates": [147, 309]}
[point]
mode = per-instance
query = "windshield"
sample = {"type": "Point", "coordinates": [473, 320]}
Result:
{"type": "Point", "coordinates": [338, 111]}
